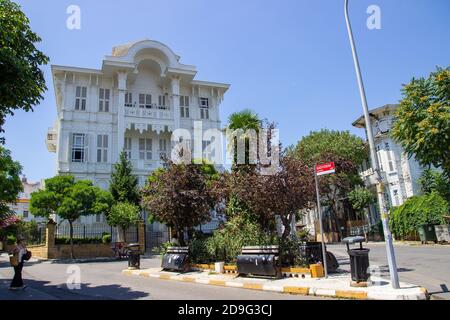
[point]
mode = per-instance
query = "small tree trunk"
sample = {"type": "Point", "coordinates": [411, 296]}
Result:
{"type": "Point", "coordinates": [72, 256]}
{"type": "Point", "coordinates": [124, 234]}
{"type": "Point", "coordinates": [286, 221]}
{"type": "Point", "coordinates": [366, 216]}
{"type": "Point", "coordinates": [180, 235]}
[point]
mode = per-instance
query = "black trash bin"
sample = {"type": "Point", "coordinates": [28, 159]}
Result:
{"type": "Point", "coordinates": [134, 256]}
{"type": "Point", "coordinates": [359, 259]}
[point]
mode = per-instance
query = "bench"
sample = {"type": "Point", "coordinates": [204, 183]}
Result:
{"type": "Point", "coordinates": [259, 261]}
{"type": "Point", "coordinates": [176, 259]}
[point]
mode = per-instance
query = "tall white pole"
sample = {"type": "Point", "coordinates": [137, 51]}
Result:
{"type": "Point", "coordinates": [324, 251]}
{"type": "Point", "coordinates": [380, 187]}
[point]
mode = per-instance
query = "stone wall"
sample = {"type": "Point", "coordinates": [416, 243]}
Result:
{"type": "Point", "coordinates": [62, 251]}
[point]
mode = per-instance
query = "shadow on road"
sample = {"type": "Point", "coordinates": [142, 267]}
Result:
{"type": "Point", "coordinates": [39, 290]}
{"type": "Point", "coordinates": [444, 290]}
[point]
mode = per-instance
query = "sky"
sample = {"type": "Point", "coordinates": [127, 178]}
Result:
{"type": "Point", "coordinates": [288, 60]}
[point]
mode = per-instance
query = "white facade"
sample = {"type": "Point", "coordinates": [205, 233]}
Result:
{"type": "Point", "coordinates": [22, 206]}
{"type": "Point", "coordinates": [400, 172]}
{"type": "Point", "coordinates": [133, 103]}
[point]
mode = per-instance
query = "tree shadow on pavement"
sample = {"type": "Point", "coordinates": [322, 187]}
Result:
{"type": "Point", "coordinates": [43, 290]}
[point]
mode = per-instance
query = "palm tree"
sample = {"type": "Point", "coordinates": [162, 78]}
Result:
{"type": "Point", "coordinates": [246, 120]}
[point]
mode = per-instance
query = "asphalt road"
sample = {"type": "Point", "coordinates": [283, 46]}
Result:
{"type": "Point", "coordinates": [103, 280]}
{"type": "Point", "coordinates": [428, 266]}
{"type": "Point", "coordinates": [424, 265]}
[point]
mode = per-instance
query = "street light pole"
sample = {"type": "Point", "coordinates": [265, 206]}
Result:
{"type": "Point", "coordinates": [380, 187]}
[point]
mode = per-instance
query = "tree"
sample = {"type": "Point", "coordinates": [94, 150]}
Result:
{"type": "Point", "coordinates": [360, 199]}
{"type": "Point", "coordinates": [422, 126]}
{"type": "Point", "coordinates": [124, 185]}
{"type": "Point", "coordinates": [281, 194]}
{"type": "Point", "coordinates": [10, 184]}
{"type": "Point", "coordinates": [123, 215]}
{"type": "Point", "coordinates": [347, 151]}
{"type": "Point", "coordinates": [433, 180]}
{"type": "Point", "coordinates": [70, 200]}
{"type": "Point", "coordinates": [179, 196]}
{"type": "Point", "coordinates": [244, 120]}
{"type": "Point", "coordinates": [22, 82]}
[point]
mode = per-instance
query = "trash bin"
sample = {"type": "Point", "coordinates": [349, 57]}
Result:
{"type": "Point", "coordinates": [427, 233]}
{"type": "Point", "coordinates": [359, 259]}
{"type": "Point", "coordinates": [134, 256]}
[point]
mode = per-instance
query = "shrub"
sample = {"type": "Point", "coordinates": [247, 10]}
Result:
{"type": "Point", "coordinates": [290, 253]}
{"type": "Point", "coordinates": [11, 239]}
{"type": "Point", "coordinates": [199, 251]}
{"type": "Point", "coordinates": [106, 238]}
{"type": "Point", "coordinates": [226, 243]}
{"type": "Point", "coordinates": [162, 249]}
{"type": "Point", "coordinates": [304, 234]}
{"type": "Point", "coordinates": [416, 211]}
{"type": "Point", "coordinates": [92, 240]}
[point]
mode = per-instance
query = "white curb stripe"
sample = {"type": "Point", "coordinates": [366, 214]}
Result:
{"type": "Point", "coordinates": [273, 288]}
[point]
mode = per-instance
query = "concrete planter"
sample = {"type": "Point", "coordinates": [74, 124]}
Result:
{"type": "Point", "coordinates": [442, 233]}
{"type": "Point", "coordinates": [219, 267]}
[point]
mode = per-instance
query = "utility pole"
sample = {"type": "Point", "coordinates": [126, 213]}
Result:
{"type": "Point", "coordinates": [376, 167]}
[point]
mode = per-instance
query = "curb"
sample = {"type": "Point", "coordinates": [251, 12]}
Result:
{"type": "Point", "coordinates": [306, 291]}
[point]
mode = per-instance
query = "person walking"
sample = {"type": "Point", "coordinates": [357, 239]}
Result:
{"type": "Point", "coordinates": [19, 252]}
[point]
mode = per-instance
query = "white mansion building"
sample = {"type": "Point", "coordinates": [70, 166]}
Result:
{"type": "Point", "coordinates": [400, 172]}
{"type": "Point", "coordinates": [141, 94]}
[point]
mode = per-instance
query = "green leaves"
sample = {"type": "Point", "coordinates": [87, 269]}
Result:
{"type": "Point", "coordinates": [433, 180]}
{"type": "Point", "coordinates": [22, 82]}
{"type": "Point", "coordinates": [343, 144]}
{"type": "Point", "coordinates": [422, 125]}
{"type": "Point", "coordinates": [124, 186]}
{"type": "Point", "coordinates": [360, 199]}
{"type": "Point", "coordinates": [416, 211]}
{"type": "Point", "coordinates": [69, 199]}
{"type": "Point", "coordinates": [10, 184]}
{"type": "Point", "coordinates": [124, 215]}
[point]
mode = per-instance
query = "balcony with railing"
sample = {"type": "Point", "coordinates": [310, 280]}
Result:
{"type": "Point", "coordinates": [152, 111]}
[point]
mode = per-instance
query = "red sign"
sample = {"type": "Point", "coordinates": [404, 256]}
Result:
{"type": "Point", "coordinates": [326, 168]}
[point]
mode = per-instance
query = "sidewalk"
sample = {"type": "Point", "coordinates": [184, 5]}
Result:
{"type": "Point", "coordinates": [336, 286]}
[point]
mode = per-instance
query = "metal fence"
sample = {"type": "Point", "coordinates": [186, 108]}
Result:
{"type": "Point", "coordinates": [208, 227]}
{"type": "Point", "coordinates": [154, 239]}
{"type": "Point", "coordinates": [95, 230]}
{"type": "Point", "coordinates": [359, 231]}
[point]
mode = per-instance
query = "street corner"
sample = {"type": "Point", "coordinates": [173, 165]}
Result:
{"type": "Point", "coordinates": [336, 286]}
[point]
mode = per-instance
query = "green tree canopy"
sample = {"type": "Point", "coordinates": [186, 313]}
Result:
{"type": "Point", "coordinates": [360, 199]}
{"type": "Point", "coordinates": [70, 200]}
{"type": "Point", "coordinates": [124, 185]}
{"type": "Point", "coordinates": [123, 215]}
{"type": "Point", "coordinates": [346, 150]}
{"type": "Point", "coordinates": [433, 180]}
{"type": "Point", "coordinates": [244, 120]}
{"type": "Point", "coordinates": [343, 144]}
{"type": "Point", "coordinates": [10, 184]}
{"type": "Point", "coordinates": [22, 82]}
{"type": "Point", "coordinates": [422, 126]}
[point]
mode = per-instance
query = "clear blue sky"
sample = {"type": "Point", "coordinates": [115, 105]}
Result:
{"type": "Point", "coordinates": [289, 60]}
